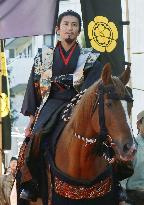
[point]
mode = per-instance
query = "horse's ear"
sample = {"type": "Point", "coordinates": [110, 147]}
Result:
{"type": "Point", "coordinates": [106, 74]}
{"type": "Point", "coordinates": [125, 76]}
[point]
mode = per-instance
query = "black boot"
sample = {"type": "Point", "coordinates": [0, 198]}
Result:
{"type": "Point", "coordinates": [29, 190]}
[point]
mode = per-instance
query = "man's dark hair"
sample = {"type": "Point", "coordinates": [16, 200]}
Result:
{"type": "Point", "coordinates": [69, 13]}
{"type": "Point", "coordinates": [13, 158]}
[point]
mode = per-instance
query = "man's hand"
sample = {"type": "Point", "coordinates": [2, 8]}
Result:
{"type": "Point", "coordinates": [122, 203]}
{"type": "Point", "coordinates": [29, 127]}
{"type": "Point", "coordinates": [27, 132]}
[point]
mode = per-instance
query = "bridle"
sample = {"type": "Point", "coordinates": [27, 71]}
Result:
{"type": "Point", "coordinates": [111, 94]}
{"type": "Point", "coordinates": [102, 140]}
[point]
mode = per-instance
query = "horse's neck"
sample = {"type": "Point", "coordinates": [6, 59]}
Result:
{"type": "Point", "coordinates": [75, 158]}
{"type": "Point", "coordinates": [82, 126]}
{"type": "Point", "coordinates": [84, 130]}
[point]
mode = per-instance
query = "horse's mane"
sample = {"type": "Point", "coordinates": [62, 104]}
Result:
{"type": "Point", "coordinates": [83, 110]}
{"type": "Point", "coordinates": [119, 86]}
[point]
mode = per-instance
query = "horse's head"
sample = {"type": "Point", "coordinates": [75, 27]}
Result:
{"type": "Point", "coordinates": [111, 110]}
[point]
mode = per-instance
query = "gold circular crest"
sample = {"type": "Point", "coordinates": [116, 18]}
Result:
{"type": "Point", "coordinates": [103, 34]}
{"type": "Point", "coordinates": [4, 105]}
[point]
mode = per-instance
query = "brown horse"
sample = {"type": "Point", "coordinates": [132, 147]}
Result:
{"type": "Point", "coordinates": [99, 120]}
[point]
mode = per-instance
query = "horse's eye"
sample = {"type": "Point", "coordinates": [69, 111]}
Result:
{"type": "Point", "coordinates": [109, 103]}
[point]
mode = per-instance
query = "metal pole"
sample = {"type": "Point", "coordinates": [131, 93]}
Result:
{"type": "Point", "coordinates": [128, 32]}
{"type": "Point", "coordinates": [128, 46]}
{"type": "Point", "coordinates": [128, 39]}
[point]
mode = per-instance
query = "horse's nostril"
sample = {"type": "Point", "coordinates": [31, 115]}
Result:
{"type": "Point", "coordinates": [134, 151]}
{"type": "Point", "coordinates": [126, 147]}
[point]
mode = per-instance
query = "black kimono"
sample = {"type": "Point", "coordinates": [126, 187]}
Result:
{"type": "Point", "coordinates": [60, 93]}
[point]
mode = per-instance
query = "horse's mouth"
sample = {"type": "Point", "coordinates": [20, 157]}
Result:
{"type": "Point", "coordinates": [127, 157]}
{"type": "Point", "coordinates": [124, 155]}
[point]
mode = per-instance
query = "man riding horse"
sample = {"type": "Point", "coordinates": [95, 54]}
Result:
{"type": "Point", "coordinates": [57, 76]}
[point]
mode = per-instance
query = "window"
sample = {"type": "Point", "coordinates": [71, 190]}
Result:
{"type": "Point", "coordinates": [30, 50]}
{"type": "Point", "coordinates": [11, 53]}
{"type": "Point", "coordinates": [48, 40]}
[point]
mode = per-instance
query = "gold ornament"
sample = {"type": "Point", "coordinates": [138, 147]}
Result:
{"type": "Point", "coordinates": [4, 105]}
{"type": "Point", "coordinates": [103, 34]}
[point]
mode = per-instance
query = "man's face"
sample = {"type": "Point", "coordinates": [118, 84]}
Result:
{"type": "Point", "coordinates": [68, 29]}
{"type": "Point", "coordinates": [140, 126]}
{"type": "Point", "coordinates": [13, 165]}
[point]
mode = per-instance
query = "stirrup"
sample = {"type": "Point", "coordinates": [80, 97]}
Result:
{"type": "Point", "coordinates": [26, 195]}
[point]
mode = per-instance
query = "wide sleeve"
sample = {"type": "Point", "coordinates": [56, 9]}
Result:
{"type": "Point", "coordinates": [32, 98]}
